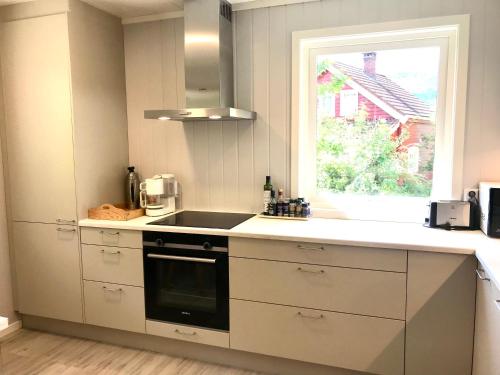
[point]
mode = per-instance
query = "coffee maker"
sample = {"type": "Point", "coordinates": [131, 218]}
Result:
{"type": "Point", "coordinates": [157, 194]}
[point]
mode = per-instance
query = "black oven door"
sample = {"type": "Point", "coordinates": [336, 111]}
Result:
{"type": "Point", "coordinates": [187, 286]}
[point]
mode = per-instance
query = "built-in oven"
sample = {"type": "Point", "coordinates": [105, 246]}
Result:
{"type": "Point", "coordinates": [186, 279]}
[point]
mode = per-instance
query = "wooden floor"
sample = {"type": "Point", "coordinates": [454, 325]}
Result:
{"type": "Point", "coordinates": [33, 352]}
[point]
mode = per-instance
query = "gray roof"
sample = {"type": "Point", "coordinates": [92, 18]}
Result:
{"type": "Point", "coordinates": [388, 91]}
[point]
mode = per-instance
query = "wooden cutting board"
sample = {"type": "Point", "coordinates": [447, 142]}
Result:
{"type": "Point", "coordinates": [118, 212]}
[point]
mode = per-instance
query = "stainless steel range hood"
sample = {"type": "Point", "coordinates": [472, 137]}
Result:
{"type": "Point", "coordinates": [208, 60]}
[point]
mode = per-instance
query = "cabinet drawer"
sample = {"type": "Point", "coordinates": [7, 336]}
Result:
{"type": "Point", "coordinates": [112, 237]}
{"type": "Point", "coordinates": [114, 306]}
{"type": "Point", "coordinates": [112, 265]}
{"type": "Point", "coordinates": [375, 293]}
{"type": "Point", "coordinates": [360, 343]}
{"type": "Point", "coordinates": [323, 254]}
{"type": "Point", "coordinates": [188, 333]}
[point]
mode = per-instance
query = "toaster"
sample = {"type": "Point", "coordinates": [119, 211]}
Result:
{"type": "Point", "coordinates": [450, 215]}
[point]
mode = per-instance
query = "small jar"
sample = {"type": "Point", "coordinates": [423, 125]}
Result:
{"type": "Point", "coordinates": [286, 208]}
{"type": "Point", "coordinates": [291, 208]}
{"type": "Point", "coordinates": [279, 209]}
{"type": "Point", "coordinates": [304, 210]}
{"type": "Point", "coordinates": [298, 210]}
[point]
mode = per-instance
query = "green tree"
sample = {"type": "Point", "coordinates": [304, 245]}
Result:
{"type": "Point", "coordinates": [365, 157]}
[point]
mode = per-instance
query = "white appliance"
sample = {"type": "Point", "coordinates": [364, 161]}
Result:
{"type": "Point", "coordinates": [157, 194]}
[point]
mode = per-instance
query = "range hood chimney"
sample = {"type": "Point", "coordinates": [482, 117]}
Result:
{"type": "Point", "coordinates": [208, 60]}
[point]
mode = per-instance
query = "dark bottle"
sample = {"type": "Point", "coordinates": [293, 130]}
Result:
{"type": "Point", "coordinates": [268, 187]}
{"type": "Point", "coordinates": [132, 189]}
{"type": "Point", "coordinates": [271, 208]}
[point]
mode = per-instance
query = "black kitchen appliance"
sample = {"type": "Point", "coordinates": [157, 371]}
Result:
{"type": "Point", "coordinates": [489, 198]}
{"type": "Point", "coordinates": [186, 279]}
{"type": "Point", "coordinates": [204, 219]}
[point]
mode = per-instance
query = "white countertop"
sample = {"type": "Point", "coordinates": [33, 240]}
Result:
{"type": "Point", "coordinates": [342, 232]}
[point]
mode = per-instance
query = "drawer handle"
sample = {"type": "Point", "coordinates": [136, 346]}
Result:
{"type": "Point", "coordinates": [482, 275]}
{"type": "Point", "coordinates": [317, 272]}
{"type": "Point", "coordinates": [185, 333]}
{"type": "Point", "coordinates": [497, 303]}
{"type": "Point", "coordinates": [66, 230]}
{"type": "Point", "coordinates": [117, 290]}
{"type": "Point", "coordinates": [314, 317]}
{"type": "Point", "coordinates": [111, 252]}
{"type": "Point", "coordinates": [316, 248]}
{"type": "Point", "coordinates": [109, 233]}
{"type": "Point", "coordinates": [64, 221]}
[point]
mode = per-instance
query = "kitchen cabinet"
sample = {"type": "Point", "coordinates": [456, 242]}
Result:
{"type": "Point", "coordinates": [440, 311]}
{"type": "Point", "coordinates": [36, 78]}
{"type": "Point", "coordinates": [116, 265]}
{"type": "Point", "coordinates": [376, 310]}
{"type": "Point", "coordinates": [48, 270]}
{"type": "Point", "coordinates": [65, 110]}
{"type": "Point", "coordinates": [115, 306]}
{"type": "Point", "coordinates": [349, 341]}
{"type": "Point", "coordinates": [112, 237]}
{"type": "Point", "coordinates": [364, 292]}
{"type": "Point", "coordinates": [487, 335]}
{"type": "Point", "coordinates": [187, 333]}
{"type": "Point", "coordinates": [65, 135]}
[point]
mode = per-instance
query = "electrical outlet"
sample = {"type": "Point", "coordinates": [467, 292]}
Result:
{"type": "Point", "coordinates": [470, 191]}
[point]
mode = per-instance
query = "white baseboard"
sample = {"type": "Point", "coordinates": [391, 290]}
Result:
{"type": "Point", "coordinates": [10, 329]}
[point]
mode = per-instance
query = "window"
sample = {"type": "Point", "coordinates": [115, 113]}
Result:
{"type": "Point", "coordinates": [348, 103]}
{"type": "Point", "coordinates": [326, 105]}
{"type": "Point", "coordinates": [396, 139]}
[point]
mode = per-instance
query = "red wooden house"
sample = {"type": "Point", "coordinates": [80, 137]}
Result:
{"type": "Point", "coordinates": [379, 97]}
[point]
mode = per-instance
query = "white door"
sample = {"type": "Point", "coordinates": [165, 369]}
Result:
{"type": "Point", "coordinates": [36, 78]}
{"type": "Point", "coordinates": [48, 273]}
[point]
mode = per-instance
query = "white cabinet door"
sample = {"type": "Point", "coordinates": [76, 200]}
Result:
{"type": "Point", "coordinates": [487, 337]}
{"type": "Point", "coordinates": [48, 273]}
{"type": "Point", "coordinates": [36, 79]}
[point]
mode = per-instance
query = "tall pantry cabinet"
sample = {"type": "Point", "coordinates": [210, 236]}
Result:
{"type": "Point", "coordinates": [65, 141]}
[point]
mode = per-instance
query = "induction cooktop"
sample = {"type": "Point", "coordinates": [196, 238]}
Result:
{"type": "Point", "coordinates": [203, 219]}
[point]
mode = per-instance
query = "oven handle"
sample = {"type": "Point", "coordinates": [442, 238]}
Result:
{"type": "Point", "coordinates": [185, 259]}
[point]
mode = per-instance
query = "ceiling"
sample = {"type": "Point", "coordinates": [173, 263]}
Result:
{"type": "Point", "coordinates": [130, 8]}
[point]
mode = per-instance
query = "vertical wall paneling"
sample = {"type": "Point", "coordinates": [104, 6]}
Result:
{"type": "Point", "coordinates": [429, 8]}
{"type": "Point", "coordinates": [164, 141]}
{"type": "Point", "coordinates": [408, 9]}
{"type": "Point", "coordinates": [200, 152]}
{"type": "Point", "coordinates": [143, 60]}
{"type": "Point", "coordinates": [244, 84]}
{"type": "Point", "coordinates": [490, 133]}
{"type": "Point", "coordinates": [230, 169]}
{"type": "Point", "coordinates": [277, 101]}
{"type": "Point", "coordinates": [389, 10]}
{"type": "Point", "coordinates": [370, 11]}
{"type": "Point", "coordinates": [216, 165]}
{"type": "Point", "coordinates": [223, 166]}
{"type": "Point", "coordinates": [260, 46]}
{"type": "Point", "coordinates": [473, 143]}
{"type": "Point", "coordinates": [350, 12]}
{"type": "Point", "coordinates": [448, 7]}
{"type": "Point", "coordinates": [294, 21]}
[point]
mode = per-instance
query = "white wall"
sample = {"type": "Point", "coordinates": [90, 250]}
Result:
{"type": "Point", "coordinates": [223, 166]}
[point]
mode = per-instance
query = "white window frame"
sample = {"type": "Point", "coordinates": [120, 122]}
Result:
{"type": "Point", "coordinates": [453, 35]}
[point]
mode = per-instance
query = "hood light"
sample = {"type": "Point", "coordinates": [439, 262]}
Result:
{"type": "Point", "coordinates": [215, 117]}
{"type": "Point", "coordinates": [163, 118]}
